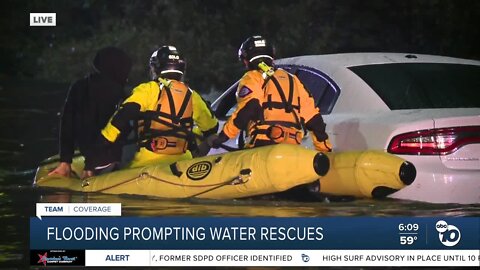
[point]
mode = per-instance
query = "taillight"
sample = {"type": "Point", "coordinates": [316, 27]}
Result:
{"type": "Point", "coordinates": [439, 141]}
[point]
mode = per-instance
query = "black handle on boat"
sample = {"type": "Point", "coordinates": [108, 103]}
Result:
{"type": "Point", "coordinates": [321, 164]}
{"type": "Point", "coordinates": [174, 170]}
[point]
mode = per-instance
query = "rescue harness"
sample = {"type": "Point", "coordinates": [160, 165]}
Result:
{"type": "Point", "coordinates": [167, 130]}
{"type": "Point", "coordinates": [270, 125]}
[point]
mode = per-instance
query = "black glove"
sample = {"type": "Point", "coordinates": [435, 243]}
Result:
{"type": "Point", "coordinates": [215, 140]}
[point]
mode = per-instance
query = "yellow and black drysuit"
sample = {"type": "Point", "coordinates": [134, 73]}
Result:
{"type": "Point", "coordinates": [166, 113]}
{"type": "Point", "coordinates": [274, 107]}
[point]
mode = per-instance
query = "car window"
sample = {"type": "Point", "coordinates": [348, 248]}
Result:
{"type": "Point", "coordinates": [226, 104]}
{"type": "Point", "coordinates": [324, 90]}
{"type": "Point", "coordinates": [423, 85]}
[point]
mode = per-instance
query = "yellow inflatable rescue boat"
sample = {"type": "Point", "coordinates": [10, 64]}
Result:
{"type": "Point", "coordinates": [366, 174]}
{"type": "Point", "coordinates": [247, 173]}
{"type": "Point", "coordinates": [237, 174]}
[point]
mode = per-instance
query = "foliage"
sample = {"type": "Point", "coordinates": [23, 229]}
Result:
{"type": "Point", "coordinates": [208, 32]}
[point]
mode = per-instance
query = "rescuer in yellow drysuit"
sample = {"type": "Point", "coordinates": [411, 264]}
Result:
{"type": "Point", "coordinates": [166, 110]}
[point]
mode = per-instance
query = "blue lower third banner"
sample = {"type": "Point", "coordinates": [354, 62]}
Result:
{"type": "Point", "coordinates": [221, 241]}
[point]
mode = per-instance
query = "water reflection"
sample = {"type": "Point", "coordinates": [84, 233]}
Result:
{"type": "Point", "coordinates": [133, 205]}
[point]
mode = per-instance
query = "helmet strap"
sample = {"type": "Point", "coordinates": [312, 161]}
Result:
{"type": "Point", "coordinates": [245, 63]}
{"type": "Point", "coordinates": [153, 73]}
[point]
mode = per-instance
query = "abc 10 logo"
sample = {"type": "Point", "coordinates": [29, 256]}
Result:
{"type": "Point", "coordinates": [449, 235]}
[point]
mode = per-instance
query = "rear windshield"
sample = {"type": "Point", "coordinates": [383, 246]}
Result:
{"type": "Point", "coordinates": [423, 85]}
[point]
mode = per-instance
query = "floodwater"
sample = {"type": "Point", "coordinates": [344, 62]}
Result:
{"type": "Point", "coordinates": [28, 134]}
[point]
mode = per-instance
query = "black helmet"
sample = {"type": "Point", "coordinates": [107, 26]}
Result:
{"type": "Point", "coordinates": [256, 49]}
{"type": "Point", "coordinates": [167, 61]}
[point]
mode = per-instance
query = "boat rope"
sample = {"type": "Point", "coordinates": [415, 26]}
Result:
{"type": "Point", "coordinates": [235, 181]}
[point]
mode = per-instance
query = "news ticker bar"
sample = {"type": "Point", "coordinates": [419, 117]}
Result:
{"type": "Point", "coordinates": [145, 258]}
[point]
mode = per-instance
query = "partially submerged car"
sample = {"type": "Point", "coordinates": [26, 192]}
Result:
{"type": "Point", "coordinates": [424, 108]}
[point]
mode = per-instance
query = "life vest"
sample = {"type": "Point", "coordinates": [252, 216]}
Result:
{"type": "Point", "coordinates": [168, 128]}
{"type": "Point", "coordinates": [280, 122]}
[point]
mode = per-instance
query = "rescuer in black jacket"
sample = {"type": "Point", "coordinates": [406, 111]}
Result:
{"type": "Point", "coordinates": [90, 103]}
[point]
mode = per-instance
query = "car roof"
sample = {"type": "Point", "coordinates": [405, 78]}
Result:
{"type": "Point", "coordinates": [359, 59]}
{"type": "Point", "coordinates": [356, 94]}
